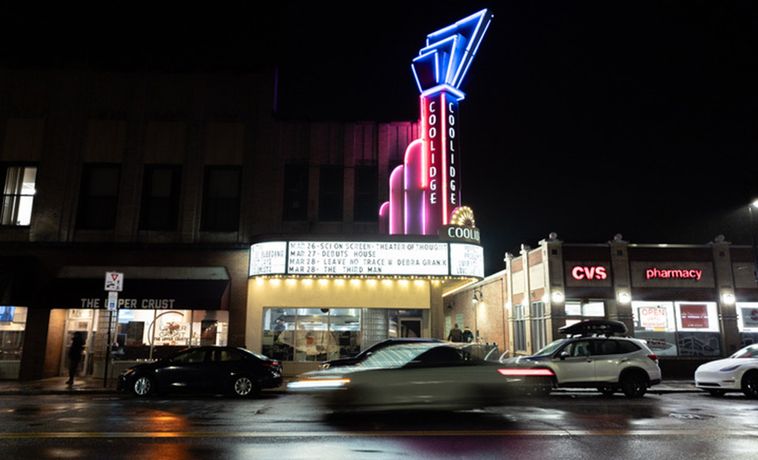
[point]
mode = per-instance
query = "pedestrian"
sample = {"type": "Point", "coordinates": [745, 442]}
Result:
{"type": "Point", "coordinates": [279, 327]}
{"type": "Point", "coordinates": [468, 336]}
{"type": "Point", "coordinates": [75, 356]}
{"type": "Point", "coordinates": [455, 334]}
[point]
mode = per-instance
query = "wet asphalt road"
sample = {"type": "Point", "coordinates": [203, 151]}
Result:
{"type": "Point", "coordinates": [567, 426]}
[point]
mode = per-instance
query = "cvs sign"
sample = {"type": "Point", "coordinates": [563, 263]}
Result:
{"type": "Point", "coordinates": [589, 272]}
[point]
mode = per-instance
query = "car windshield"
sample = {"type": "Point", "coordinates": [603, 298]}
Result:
{"type": "Point", "coordinates": [395, 356]}
{"type": "Point", "coordinates": [551, 347]}
{"type": "Point", "coordinates": [747, 352]}
{"type": "Point", "coordinates": [257, 355]}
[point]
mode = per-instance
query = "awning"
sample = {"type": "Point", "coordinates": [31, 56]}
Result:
{"type": "Point", "coordinates": [195, 288]}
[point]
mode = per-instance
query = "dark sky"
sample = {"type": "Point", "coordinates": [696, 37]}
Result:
{"type": "Point", "coordinates": [582, 118]}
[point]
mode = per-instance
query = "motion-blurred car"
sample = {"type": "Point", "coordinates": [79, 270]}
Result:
{"type": "Point", "coordinates": [232, 370]}
{"type": "Point", "coordinates": [738, 372]}
{"type": "Point", "coordinates": [373, 348]}
{"type": "Point", "coordinates": [592, 357]}
{"type": "Point", "coordinates": [440, 376]}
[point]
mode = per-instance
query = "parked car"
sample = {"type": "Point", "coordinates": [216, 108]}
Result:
{"type": "Point", "coordinates": [373, 348]}
{"type": "Point", "coordinates": [738, 372]}
{"type": "Point", "coordinates": [423, 375]}
{"type": "Point", "coordinates": [592, 357]}
{"type": "Point", "coordinates": [236, 371]}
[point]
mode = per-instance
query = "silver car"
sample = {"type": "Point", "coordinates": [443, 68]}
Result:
{"type": "Point", "coordinates": [609, 364]}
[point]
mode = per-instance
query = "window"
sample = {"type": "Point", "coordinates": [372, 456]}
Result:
{"type": "Point", "coordinates": [18, 195]}
{"type": "Point", "coordinates": [519, 328]}
{"type": "Point", "coordinates": [538, 325]}
{"type": "Point", "coordinates": [590, 309]}
{"type": "Point", "coordinates": [330, 193]}
{"type": "Point", "coordinates": [221, 199]}
{"type": "Point", "coordinates": [226, 355]}
{"type": "Point", "coordinates": [98, 199]}
{"type": "Point", "coordinates": [295, 193]}
{"type": "Point", "coordinates": [160, 198]}
{"type": "Point", "coordinates": [365, 208]}
{"type": "Point", "coordinates": [678, 328]}
{"type": "Point", "coordinates": [312, 334]}
{"type": "Point", "coordinates": [190, 357]}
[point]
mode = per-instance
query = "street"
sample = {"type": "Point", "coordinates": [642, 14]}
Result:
{"type": "Point", "coordinates": [285, 426]}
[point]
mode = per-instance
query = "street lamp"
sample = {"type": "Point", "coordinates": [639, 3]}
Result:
{"type": "Point", "coordinates": [754, 204]}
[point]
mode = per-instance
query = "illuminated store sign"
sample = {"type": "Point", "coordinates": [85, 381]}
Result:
{"type": "Point", "coordinates": [426, 189]}
{"type": "Point", "coordinates": [658, 273]}
{"type": "Point", "coordinates": [581, 272]}
{"type": "Point", "coordinates": [360, 258]}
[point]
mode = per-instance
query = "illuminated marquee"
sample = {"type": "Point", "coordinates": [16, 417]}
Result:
{"type": "Point", "coordinates": [426, 189]}
{"type": "Point", "coordinates": [366, 258]}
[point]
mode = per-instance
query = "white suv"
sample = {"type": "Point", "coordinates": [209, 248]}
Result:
{"type": "Point", "coordinates": [607, 363]}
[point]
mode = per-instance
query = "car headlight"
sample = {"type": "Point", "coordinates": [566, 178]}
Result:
{"type": "Point", "coordinates": [730, 368]}
{"type": "Point", "coordinates": [128, 372]}
{"type": "Point", "coordinates": [318, 384]}
{"type": "Point", "coordinates": [324, 366]}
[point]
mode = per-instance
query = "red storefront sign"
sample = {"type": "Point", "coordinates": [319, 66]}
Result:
{"type": "Point", "coordinates": [583, 272]}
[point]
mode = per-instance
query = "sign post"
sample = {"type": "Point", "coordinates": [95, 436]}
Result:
{"type": "Point", "coordinates": [114, 283]}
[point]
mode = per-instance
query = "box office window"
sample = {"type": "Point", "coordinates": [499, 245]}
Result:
{"type": "Point", "coordinates": [331, 180]}
{"type": "Point", "coordinates": [98, 199]}
{"type": "Point", "coordinates": [366, 207]}
{"type": "Point", "coordinates": [312, 334]}
{"type": "Point", "coordinates": [19, 188]}
{"type": "Point", "coordinates": [295, 193]}
{"type": "Point", "coordinates": [678, 328]}
{"type": "Point", "coordinates": [160, 198]}
{"type": "Point", "coordinates": [221, 199]}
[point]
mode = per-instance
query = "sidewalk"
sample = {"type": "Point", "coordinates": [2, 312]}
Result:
{"type": "Point", "coordinates": [90, 385]}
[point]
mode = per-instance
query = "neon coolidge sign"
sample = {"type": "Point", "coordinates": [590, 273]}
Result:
{"type": "Point", "coordinates": [361, 258]}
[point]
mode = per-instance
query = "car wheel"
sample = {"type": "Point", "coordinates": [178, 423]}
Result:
{"type": "Point", "coordinates": [143, 386]}
{"type": "Point", "coordinates": [633, 385]}
{"type": "Point", "coordinates": [716, 392]}
{"type": "Point", "coordinates": [750, 384]}
{"type": "Point", "coordinates": [606, 390]}
{"type": "Point", "coordinates": [243, 387]}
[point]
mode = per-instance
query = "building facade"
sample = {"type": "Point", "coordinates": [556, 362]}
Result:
{"type": "Point", "coordinates": [691, 303]}
{"type": "Point", "coordinates": [167, 179]}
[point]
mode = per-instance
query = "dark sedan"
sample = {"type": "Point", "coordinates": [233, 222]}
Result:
{"type": "Point", "coordinates": [235, 371]}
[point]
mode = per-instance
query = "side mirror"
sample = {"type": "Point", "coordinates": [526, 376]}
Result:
{"type": "Point", "coordinates": [564, 355]}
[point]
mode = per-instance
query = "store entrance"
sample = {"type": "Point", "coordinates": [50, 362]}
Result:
{"type": "Point", "coordinates": [81, 321]}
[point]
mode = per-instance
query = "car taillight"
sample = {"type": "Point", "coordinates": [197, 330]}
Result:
{"type": "Point", "coordinates": [653, 357]}
{"type": "Point", "coordinates": [272, 363]}
{"type": "Point", "coordinates": [516, 372]}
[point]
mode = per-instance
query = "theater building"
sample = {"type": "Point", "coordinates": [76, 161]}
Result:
{"type": "Point", "coordinates": [691, 303]}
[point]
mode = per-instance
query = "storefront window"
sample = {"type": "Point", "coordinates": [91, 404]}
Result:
{"type": "Point", "coordinates": [320, 334]}
{"type": "Point", "coordinates": [577, 311]}
{"type": "Point", "coordinates": [747, 322]}
{"type": "Point", "coordinates": [678, 328]}
{"type": "Point", "coordinates": [145, 334]}
{"type": "Point", "coordinates": [12, 327]}
{"type": "Point", "coordinates": [311, 334]}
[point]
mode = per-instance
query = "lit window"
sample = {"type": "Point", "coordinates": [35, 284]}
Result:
{"type": "Point", "coordinates": [18, 195]}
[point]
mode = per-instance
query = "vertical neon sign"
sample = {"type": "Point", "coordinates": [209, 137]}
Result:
{"type": "Point", "coordinates": [432, 185]}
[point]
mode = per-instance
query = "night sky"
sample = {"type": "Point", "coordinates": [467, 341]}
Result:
{"type": "Point", "coordinates": [586, 119]}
